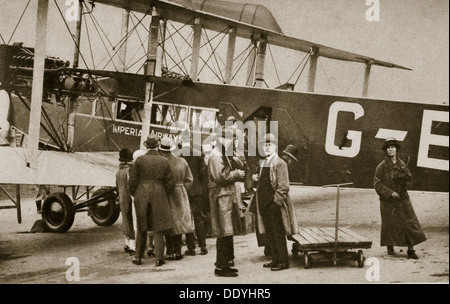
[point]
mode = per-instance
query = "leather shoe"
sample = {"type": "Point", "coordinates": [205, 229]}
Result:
{"type": "Point", "coordinates": [203, 251]}
{"type": "Point", "coordinates": [160, 262]}
{"type": "Point", "coordinates": [178, 256]}
{"type": "Point", "coordinates": [190, 252]}
{"type": "Point", "coordinates": [233, 269]}
{"type": "Point", "coordinates": [280, 266]}
{"type": "Point", "coordinates": [170, 257]}
{"type": "Point", "coordinates": [412, 255]}
{"type": "Point", "coordinates": [270, 265]}
{"type": "Point", "coordinates": [136, 261]}
{"type": "Point", "coordinates": [226, 272]}
{"type": "Point", "coordinates": [150, 253]}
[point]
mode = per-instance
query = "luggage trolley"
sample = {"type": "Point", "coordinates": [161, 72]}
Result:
{"type": "Point", "coordinates": [328, 243]}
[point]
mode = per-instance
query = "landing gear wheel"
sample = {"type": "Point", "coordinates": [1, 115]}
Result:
{"type": "Point", "coordinates": [307, 260]}
{"type": "Point", "coordinates": [360, 258]}
{"type": "Point", "coordinates": [107, 211]}
{"type": "Point", "coordinates": [58, 212]}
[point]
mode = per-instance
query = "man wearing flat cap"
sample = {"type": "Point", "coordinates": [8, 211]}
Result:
{"type": "Point", "coordinates": [274, 217]}
{"type": "Point", "coordinates": [399, 223]}
{"type": "Point", "coordinates": [225, 217]}
{"type": "Point", "coordinates": [151, 182]}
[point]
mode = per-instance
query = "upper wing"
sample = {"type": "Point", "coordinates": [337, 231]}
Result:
{"type": "Point", "coordinates": [247, 19]}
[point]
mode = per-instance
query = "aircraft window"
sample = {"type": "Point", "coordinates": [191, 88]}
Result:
{"type": "Point", "coordinates": [203, 119]}
{"type": "Point", "coordinates": [166, 115]}
{"type": "Point", "coordinates": [131, 111]}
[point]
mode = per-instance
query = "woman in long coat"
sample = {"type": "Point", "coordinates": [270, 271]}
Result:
{"type": "Point", "coordinates": [178, 200]}
{"type": "Point", "coordinates": [399, 223]}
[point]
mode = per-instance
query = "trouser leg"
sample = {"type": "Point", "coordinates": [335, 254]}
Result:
{"type": "Point", "coordinates": [158, 238]}
{"type": "Point", "coordinates": [190, 241]}
{"type": "Point", "coordinates": [140, 243]}
{"type": "Point", "coordinates": [199, 220]}
{"type": "Point", "coordinates": [169, 245]}
{"type": "Point", "coordinates": [141, 226]}
{"type": "Point", "coordinates": [276, 237]}
{"type": "Point", "coordinates": [224, 246]}
{"type": "Point", "coordinates": [177, 243]}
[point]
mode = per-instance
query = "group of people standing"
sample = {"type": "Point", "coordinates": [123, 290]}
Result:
{"type": "Point", "coordinates": [172, 196]}
{"type": "Point", "coordinates": [159, 182]}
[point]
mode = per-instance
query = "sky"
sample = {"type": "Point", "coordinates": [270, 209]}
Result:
{"type": "Point", "coordinates": [410, 33]}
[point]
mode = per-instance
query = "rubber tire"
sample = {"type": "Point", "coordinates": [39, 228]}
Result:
{"type": "Point", "coordinates": [307, 260]}
{"type": "Point", "coordinates": [360, 258]}
{"type": "Point", "coordinates": [58, 221]}
{"type": "Point", "coordinates": [107, 212]}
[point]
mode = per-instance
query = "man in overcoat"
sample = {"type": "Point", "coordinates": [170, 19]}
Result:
{"type": "Point", "coordinates": [225, 216]}
{"type": "Point", "coordinates": [151, 182]}
{"type": "Point", "coordinates": [399, 223]}
{"type": "Point", "coordinates": [272, 207]}
{"type": "Point", "coordinates": [198, 200]}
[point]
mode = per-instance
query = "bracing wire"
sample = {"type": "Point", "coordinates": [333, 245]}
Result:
{"type": "Point", "coordinates": [18, 22]}
{"type": "Point", "coordinates": [274, 65]}
{"type": "Point", "coordinates": [329, 81]}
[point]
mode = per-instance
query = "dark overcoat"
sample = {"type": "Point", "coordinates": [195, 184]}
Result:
{"type": "Point", "coordinates": [279, 179]}
{"type": "Point", "coordinates": [399, 223]}
{"type": "Point", "coordinates": [151, 182]}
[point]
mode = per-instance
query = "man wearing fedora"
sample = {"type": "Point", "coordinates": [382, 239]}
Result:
{"type": "Point", "coordinates": [275, 218]}
{"type": "Point", "coordinates": [151, 182]}
{"type": "Point", "coordinates": [125, 200]}
{"type": "Point", "coordinates": [178, 200]}
{"type": "Point", "coordinates": [399, 223]}
{"type": "Point", "coordinates": [225, 217]}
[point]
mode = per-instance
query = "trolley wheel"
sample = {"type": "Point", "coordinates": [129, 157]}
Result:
{"type": "Point", "coordinates": [106, 212]}
{"type": "Point", "coordinates": [360, 258]}
{"type": "Point", "coordinates": [307, 260]}
{"type": "Point", "coordinates": [58, 212]}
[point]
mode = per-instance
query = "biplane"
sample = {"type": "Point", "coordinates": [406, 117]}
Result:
{"type": "Point", "coordinates": [195, 63]}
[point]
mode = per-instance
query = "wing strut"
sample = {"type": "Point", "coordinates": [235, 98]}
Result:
{"type": "Point", "coordinates": [38, 84]}
{"type": "Point", "coordinates": [366, 80]}
{"type": "Point", "coordinates": [152, 58]}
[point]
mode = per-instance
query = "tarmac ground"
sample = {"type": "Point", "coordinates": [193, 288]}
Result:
{"type": "Point", "coordinates": [90, 254]}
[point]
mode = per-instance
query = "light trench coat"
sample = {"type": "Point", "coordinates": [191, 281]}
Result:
{"type": "Point", "coordinates": [224, 197]}
{"type": "Point", "coordinates": [178, 200]}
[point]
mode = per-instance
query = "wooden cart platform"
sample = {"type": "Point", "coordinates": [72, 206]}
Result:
{"type": "Point", "coordinates": [319, 243]}
{"type": "Point", "coordinates": [330, 243]}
